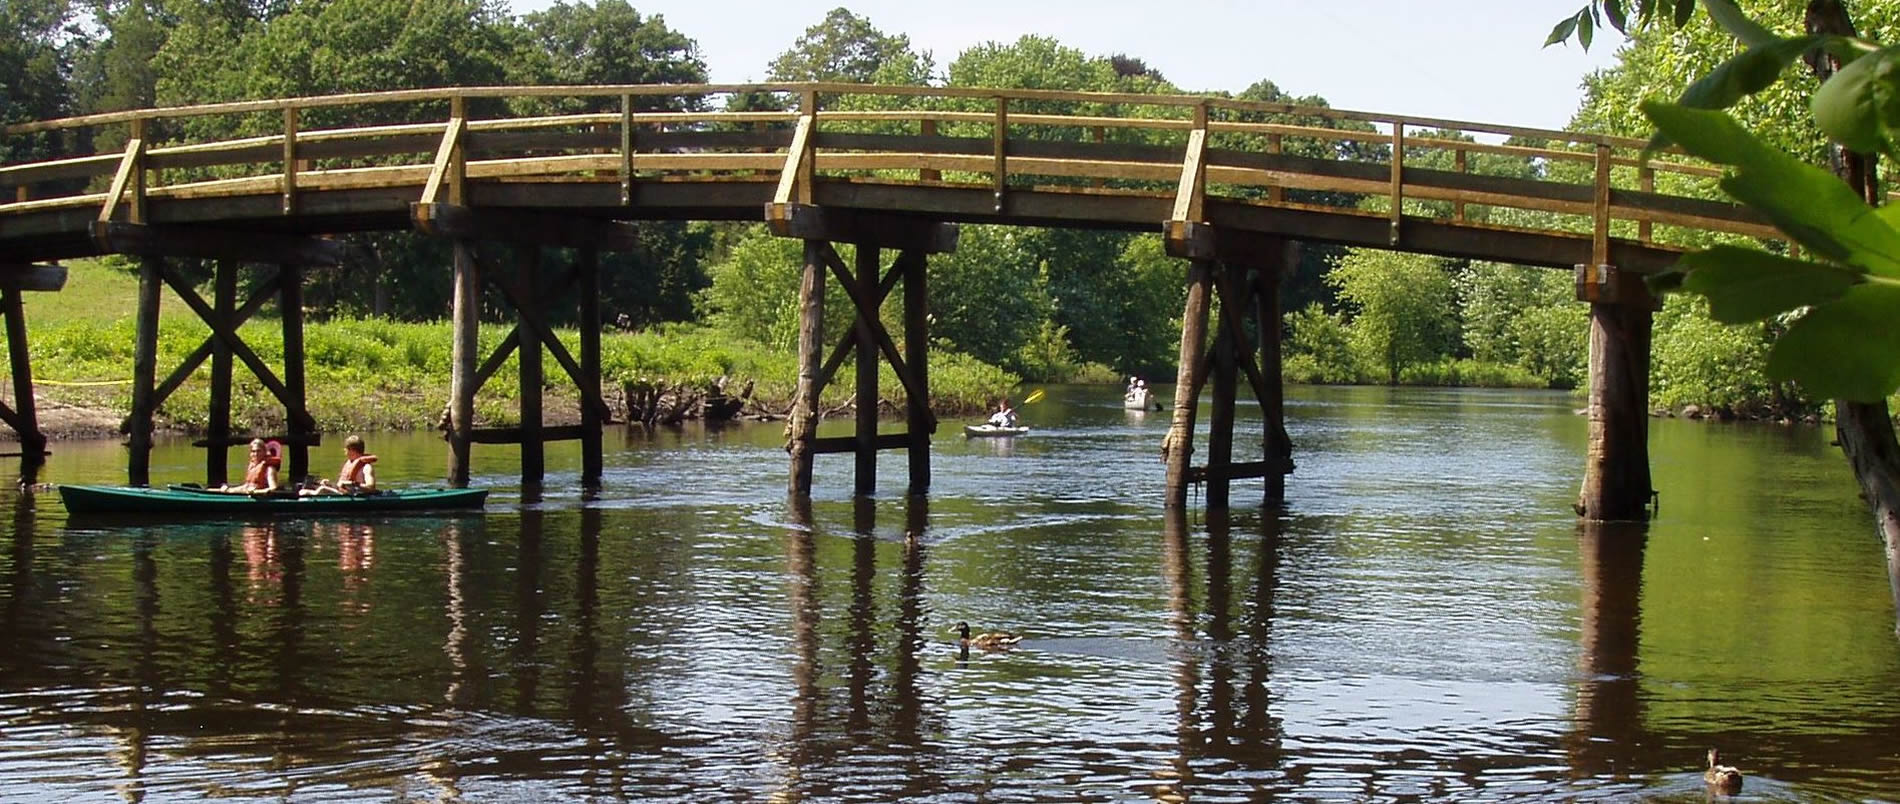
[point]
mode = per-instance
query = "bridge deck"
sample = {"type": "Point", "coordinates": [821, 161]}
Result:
{"type": "Point", "coordinates": [1155, 159]}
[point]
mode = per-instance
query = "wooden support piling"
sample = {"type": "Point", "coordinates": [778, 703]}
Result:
{"type": "Point", "coordinates": [25, 409]}
{"type": "Point", "coordinates": [1220, 435]}
{"type": "Point", "coordinates": [1178, 447]}
{"type": "Point", "coordinates": [1616, 481]}
{"type": "Point", "coordinates": [801, 426]}
{"type": "Point", "coordinates": [917, 354]}
{"type": "Point", "coordinates": [296, 403]}
{"type": "Point", "coordinates": [144, 373]}
{"type": "Point", "coordinates": [587, 261]}
{"type": "Point", "coordinates": [533, 454]}
{"type": "Point", "coordinates": [466, 314]}
{"type": "Point", "coordinates": [865, 274]}
{"type": "Point", "coordinates": [1275, 443]}
{"type": "Point", "coordinates": [218, 428]}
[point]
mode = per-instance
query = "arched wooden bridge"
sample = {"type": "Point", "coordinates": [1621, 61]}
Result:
{"type": "Point", "coordinates": [1228, 183]}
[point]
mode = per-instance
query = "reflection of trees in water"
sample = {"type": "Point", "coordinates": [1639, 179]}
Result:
{"type": "Point", "coordinates": [1218, 723]}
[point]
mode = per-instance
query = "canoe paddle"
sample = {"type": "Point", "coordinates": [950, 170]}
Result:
{"type": "Point", "coordinates": [1033, 397]}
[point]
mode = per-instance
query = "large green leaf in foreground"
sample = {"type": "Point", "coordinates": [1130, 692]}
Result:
{"type": "Point", "coordinates": [1847, 344]}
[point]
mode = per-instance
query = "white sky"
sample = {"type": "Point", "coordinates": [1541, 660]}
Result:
{"type": "Point", "coordinates": [1471, 60]}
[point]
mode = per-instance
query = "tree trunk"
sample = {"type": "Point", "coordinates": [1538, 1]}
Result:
{"type": "Point", "coordinates": [1864, 429]}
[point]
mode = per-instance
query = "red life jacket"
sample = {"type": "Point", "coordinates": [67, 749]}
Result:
{"type": "Point", "coordinates": [352, 474]}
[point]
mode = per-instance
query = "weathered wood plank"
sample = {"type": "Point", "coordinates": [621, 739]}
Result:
{"type": "Point", "coordinates": [41, 278]}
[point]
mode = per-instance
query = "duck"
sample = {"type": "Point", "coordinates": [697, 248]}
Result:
{"type": "Point", "coordinates": [1723, 779]}
{"type": "Point", "coordinates": [989, 640]}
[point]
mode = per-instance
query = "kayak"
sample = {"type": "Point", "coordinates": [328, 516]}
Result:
{"type": "Point", "coordinates": [203, 502]}
{"type": "Point", "coordinates": [992, 431]}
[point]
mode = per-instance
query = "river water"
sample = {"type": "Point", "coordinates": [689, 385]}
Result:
{"type": "Point", "coordinates": [1426, 620]}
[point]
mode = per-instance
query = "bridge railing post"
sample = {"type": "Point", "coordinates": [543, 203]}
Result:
{"type": "Point", "coordinates": [1398, 179]}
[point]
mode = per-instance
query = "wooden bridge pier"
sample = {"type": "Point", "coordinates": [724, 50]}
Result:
{"type": "Point", "coordinates": [24, 416]}
{"type": "Point", "coordinates": [155, 246]}
{"type": "Point", "coordinates": [1616, 480]}
{"type": "Point", "coordinates": [1243, 271]}
{"type": "Point", "coordinates": [525, 289]}
{"type": "Point", "coordinates": [914, 239]}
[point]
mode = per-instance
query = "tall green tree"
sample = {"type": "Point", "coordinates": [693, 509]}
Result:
{"type": "Point", "coordinates": [607, 42]}
{"type": "Point", "coordinates": [1400, 306]}
{"type": "Point", "coordinates": [36, 64]}
{"type": "Point", "coordinates": [846, 47]}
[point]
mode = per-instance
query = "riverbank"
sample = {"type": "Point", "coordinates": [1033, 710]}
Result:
{"type": "Point", "coordinates": [368, 374]}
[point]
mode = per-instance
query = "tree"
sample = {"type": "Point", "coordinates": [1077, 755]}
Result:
{"type": "Point", "coordinates": [1400, 306]}
{"type": "Point", "coordinates": [1521, 316]}
{"type": "Point", "coordinates": [35, 74]}
{"type": "Point", "coordinates": [845, 47]}
{"type": "Point", "coordinates": [605, 43]}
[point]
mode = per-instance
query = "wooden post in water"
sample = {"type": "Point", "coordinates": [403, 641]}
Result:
{"type": "Point", "coordinates": [218, 428]}
{"type": "Point", "coordinates": [588, 262]}
{"type": "Point", "coordinates": [296, 409]}
{"type": "Point", "coordinates": [1275, 443]}
{"type": "Point", "coordinates": [25, 409]}
{"type": "Point", "coordinates": [1220, 435]}
{"type": "Point", "coordinates": [144, 373]}
{"type": "Point", "coordinates": [533, 455]}
{"type": "Point", "coordinates": [801, 426]}
{"type": "Point", "coordinates": [466, 315]}
{"type": "Point", "coordinates": [1178, 447]}
{"type": "Point", "coordinates": [865, 274]}
{"type": "Point", "coordinates": [1616, 480]}
{"type": "Point", "coordinates": [917, 356]}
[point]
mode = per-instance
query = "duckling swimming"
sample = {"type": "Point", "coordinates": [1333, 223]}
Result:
{"type": "Point", "coordinates": [1723, 779]}
{"type": "Point", "coordinates": [997, 640]}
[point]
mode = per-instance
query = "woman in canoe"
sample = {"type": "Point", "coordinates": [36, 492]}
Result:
{"type": "Point", "coordinates": [358, 475]}
{"type": "Point", "coordinates": [260, 475]}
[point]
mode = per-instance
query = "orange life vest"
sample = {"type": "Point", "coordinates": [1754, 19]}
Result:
{"type": "Point", "coordinates": [257, 475]}
{"type": "Point", "coordinates": [352, 474]}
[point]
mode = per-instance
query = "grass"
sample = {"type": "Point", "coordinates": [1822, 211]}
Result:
{"type": "Point", "coordinates": [376, 374]}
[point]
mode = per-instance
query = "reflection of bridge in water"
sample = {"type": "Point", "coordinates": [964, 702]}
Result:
{"type": "Point", "coordinates": [1228, 183]}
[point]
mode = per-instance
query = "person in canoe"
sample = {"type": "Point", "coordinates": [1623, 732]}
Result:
{"type": "Point", "coordinates": [1005, 416]}
{"type": "Point", "coordinates": [260, 474]}
{"type": "Point", "coordinates": [358, 475]}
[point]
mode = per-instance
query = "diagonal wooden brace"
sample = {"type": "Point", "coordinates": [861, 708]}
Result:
{"type": "Point", "coordinates": [540, 329]}
{"type": "Point", "coordinates": [1231, 313]}
{"type": "Point", "coordinates": [850, 339]}
{"type": "Point", "coordinates": [867, 311]}
{"type": "Point", "coordinates": [198, 356]}
{"type": "Point", "coordinates": [294, 410]}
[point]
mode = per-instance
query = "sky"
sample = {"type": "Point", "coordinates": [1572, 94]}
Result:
{"type": "Point", "coordinates": [1470, 60]}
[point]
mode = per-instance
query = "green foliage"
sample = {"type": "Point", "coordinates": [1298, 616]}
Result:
{"type": "Point", "coordinates": [1400, 307]}
{"type": "Point", "coordinates": [1319, 348]}
{"type": "Point", "coordinates": [607, 42]}
{"type": "Point", "coordinates": [1525, 318]}
{"type": "Point", "coordinates": [1695, 360]}
{"type": "Point", "coordinates": [845, 47]}
{"type": "Point", "coordinates": [1467, 373]}
{"type": "Point", "coordinates": [989, 296]}
{"type": "Point", "coordinates": [1843, 346]}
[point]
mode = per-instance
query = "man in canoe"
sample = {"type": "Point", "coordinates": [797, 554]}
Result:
{"type": "Point", "coordinates": [358, 475]}
{"type": "Point", "coordinates": [260, 474]}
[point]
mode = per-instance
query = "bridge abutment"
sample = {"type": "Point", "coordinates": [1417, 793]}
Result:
{"type": "Point", "coordinates": [1616, 480]}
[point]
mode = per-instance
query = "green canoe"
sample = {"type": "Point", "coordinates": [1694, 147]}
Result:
{"type": "Point", "coordinates": [199, 502]}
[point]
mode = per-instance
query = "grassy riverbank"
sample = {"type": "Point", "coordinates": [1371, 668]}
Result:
{"type": "Point", "coordinates": [373, 374]}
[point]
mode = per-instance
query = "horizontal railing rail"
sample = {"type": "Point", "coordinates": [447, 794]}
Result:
{"type": "Point", "coordinates": [1195, 149]}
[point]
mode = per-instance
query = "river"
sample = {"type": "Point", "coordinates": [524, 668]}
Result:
{"type": "Point", "coordinates": [1426, 620]}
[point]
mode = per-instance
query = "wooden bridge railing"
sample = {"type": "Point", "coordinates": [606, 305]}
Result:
{"type": "Point", "coordinates": [1193, 150]}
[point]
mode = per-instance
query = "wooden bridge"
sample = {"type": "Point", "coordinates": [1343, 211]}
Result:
{"type": "Point", "coordinates": [1230, 184]}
